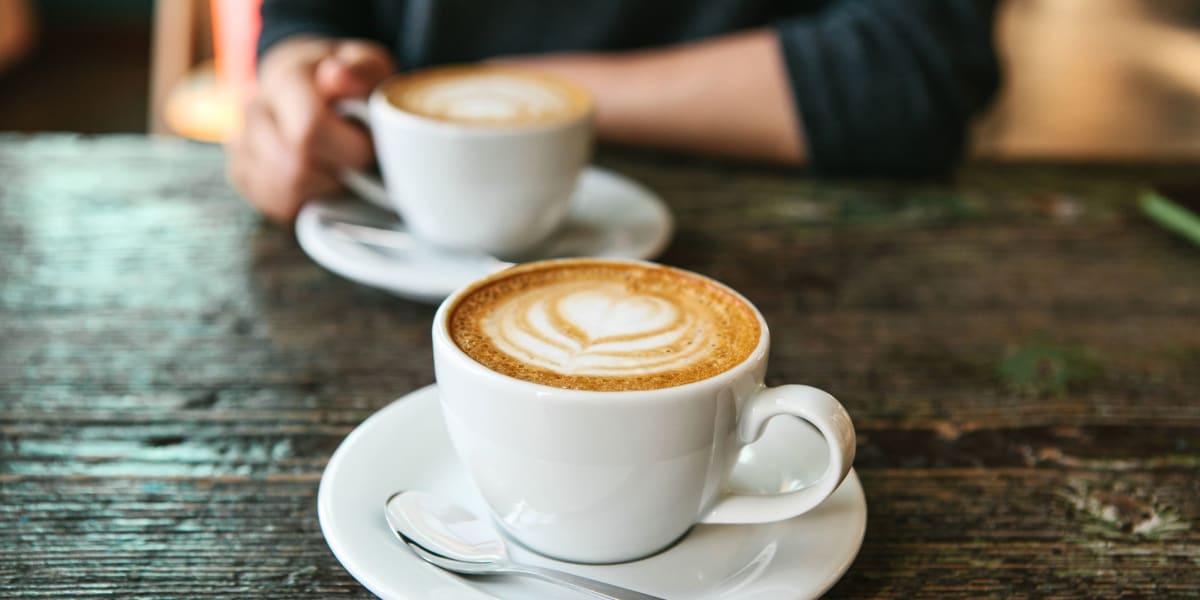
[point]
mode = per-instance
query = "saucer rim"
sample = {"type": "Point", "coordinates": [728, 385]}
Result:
{"type": "Point", "coordinates": [308, 230]}
{"type": "Point", "coordinates": [338, 545]}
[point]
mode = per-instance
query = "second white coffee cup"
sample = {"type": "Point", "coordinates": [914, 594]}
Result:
{"type": "Point", "coordinates": [470, 167]}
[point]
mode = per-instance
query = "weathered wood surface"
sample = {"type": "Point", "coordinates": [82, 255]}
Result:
{"type": "Point", "coordinates": [1019, 349]}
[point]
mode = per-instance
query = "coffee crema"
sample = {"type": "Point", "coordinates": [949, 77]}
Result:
{"type": "Point", "coordinates": [488, 95]}
{"type": "Point", "coordinates": [603, 325]}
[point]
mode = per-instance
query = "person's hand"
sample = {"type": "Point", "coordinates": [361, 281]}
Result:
{"type": "Point", "coordinates": [292, 143]}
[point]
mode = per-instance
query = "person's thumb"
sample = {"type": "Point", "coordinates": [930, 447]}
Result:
{"type": "Point", "coordinates": [353, 70]}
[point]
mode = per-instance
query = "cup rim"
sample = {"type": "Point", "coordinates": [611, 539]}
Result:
{"type": "Point", "coordinates": [441, 336]}
{"type": "Point", "coordinates": [587, 116]}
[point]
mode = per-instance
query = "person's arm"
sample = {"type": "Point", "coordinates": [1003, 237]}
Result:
{"type": "Point", "coordinates": [868, 86]}
{"type": "Point", "coordinates": [725, 96]}
{"type": "Point", "coordinates": [891, 87]}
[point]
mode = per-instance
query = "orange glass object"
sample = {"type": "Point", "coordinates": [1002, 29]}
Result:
{"type": "Point", "coordinates": [235, 26]}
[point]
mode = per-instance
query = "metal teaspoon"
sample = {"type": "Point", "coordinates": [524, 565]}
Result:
{"type": "Point", "coordinates": [448, 536]}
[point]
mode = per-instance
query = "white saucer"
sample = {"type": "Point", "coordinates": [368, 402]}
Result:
{"type": "Point", "coordinates": [404, 446]}
{"type": "Point", "coordinates": [611, 216]}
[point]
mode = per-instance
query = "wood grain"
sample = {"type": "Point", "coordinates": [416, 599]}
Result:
{"type": "Point", "coordinates": [1019, 349]}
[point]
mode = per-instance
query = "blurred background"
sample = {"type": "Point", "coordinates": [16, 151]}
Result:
{"type": "Point", "coordinates": [1085, 79]}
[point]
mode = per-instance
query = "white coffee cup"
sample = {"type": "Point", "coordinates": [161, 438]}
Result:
{"type": "Point", "coordinates": [496, 188]}
{"type": "Point", "coordinates": [602, 476]}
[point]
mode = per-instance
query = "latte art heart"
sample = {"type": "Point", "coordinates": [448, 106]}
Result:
{"type": "Point", "coordinates": [601, 325]}
{"type": "Point", "coordinates": [598, 329]}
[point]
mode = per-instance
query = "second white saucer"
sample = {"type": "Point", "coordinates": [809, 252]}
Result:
{"type": "Point", "coordinates": [611, 216]}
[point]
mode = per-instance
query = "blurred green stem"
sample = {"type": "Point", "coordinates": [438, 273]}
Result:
{"type": "Point", "coordinates": [1170, 215]}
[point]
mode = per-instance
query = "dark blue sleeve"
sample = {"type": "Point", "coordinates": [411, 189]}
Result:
{"type": "Point", "coordinates": [890, 87]}
{"type": "Point", "coordinates": [327, 18]}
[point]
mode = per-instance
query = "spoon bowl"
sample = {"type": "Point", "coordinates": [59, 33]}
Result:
{"type": "Point", "coordinates": [444, 528]}
{"type": "Point", "coordinates": [451, 537]}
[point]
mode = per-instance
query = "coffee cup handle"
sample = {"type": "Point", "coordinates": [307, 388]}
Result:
{"type": "Point", "coordinates": [814, 406]}
{"type": "Point", "coordinates": [366, 186]}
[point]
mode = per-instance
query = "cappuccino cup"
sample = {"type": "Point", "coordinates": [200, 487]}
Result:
{"type": "Point", "coordinates": [600, 405]}
{"type": "Point", "coordinates": [475, 157]}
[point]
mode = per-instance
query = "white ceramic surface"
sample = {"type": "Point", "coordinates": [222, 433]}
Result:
{"type": "Point", "coordinates": [497, 189]}
{"type": "Point", "coordinates": [610, 216]}
{"type": "Point", "coordinates": [404, 446]}
{"type": "Point", "coordinates": [610, 476]}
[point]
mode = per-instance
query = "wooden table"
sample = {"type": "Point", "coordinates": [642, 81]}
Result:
{"type": "Point", "coordinates": [1019, 349]}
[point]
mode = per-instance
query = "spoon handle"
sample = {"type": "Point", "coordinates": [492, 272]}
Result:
{"type": "Point", "coordinates": [599, 589]}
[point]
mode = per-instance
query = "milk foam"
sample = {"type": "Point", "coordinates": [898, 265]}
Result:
{"type": "Point", "coordinates": [600, 325]}
{"type": "Point", "coordinates": [487, 95]}
{"type": "Point", "coordinates": [490, 97]}
{"type": "Point", "coordinates": [600, 328]}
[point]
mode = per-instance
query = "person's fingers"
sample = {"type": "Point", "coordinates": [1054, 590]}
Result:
{"type": "Point", "coordinates": [335, 79]}
{"type": "Point", "coordinates": [287, 178]}
{"type": "Point", "coordinates": [352, 70]}
{"type": "Point", "coordinates": [341, 143]}
{"type": "Point", "coordinates": [240, 161]}
{"type": "Point", "coordinates": [236, 156]}
{"type": "Point", "coordinates": [251, 156]}
{"type": "Point", "coordinates": [304, 112]}
{"type": "Point", "coordinates": [293, 143]}
{"type": "Point", "coordinates": [370, 61]}
{"type": "Point", "coordinates": [265, 168]}
{"type": "Point", "coordinates": [296, 106]}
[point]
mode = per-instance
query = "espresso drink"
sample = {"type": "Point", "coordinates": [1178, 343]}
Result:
{"type": "Point", "coordinates": [604, 325]}
{"type": "Point", "coordinates": [488, 95]}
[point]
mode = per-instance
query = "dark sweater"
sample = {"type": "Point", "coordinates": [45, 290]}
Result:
{"type": "Point", "coordinates": [882, 86]}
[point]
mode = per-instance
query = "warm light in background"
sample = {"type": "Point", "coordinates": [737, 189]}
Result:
{"type": "Point", "coordinates": [205, 102]}
{"type": "Point", "coordinates": [1096, 79]}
